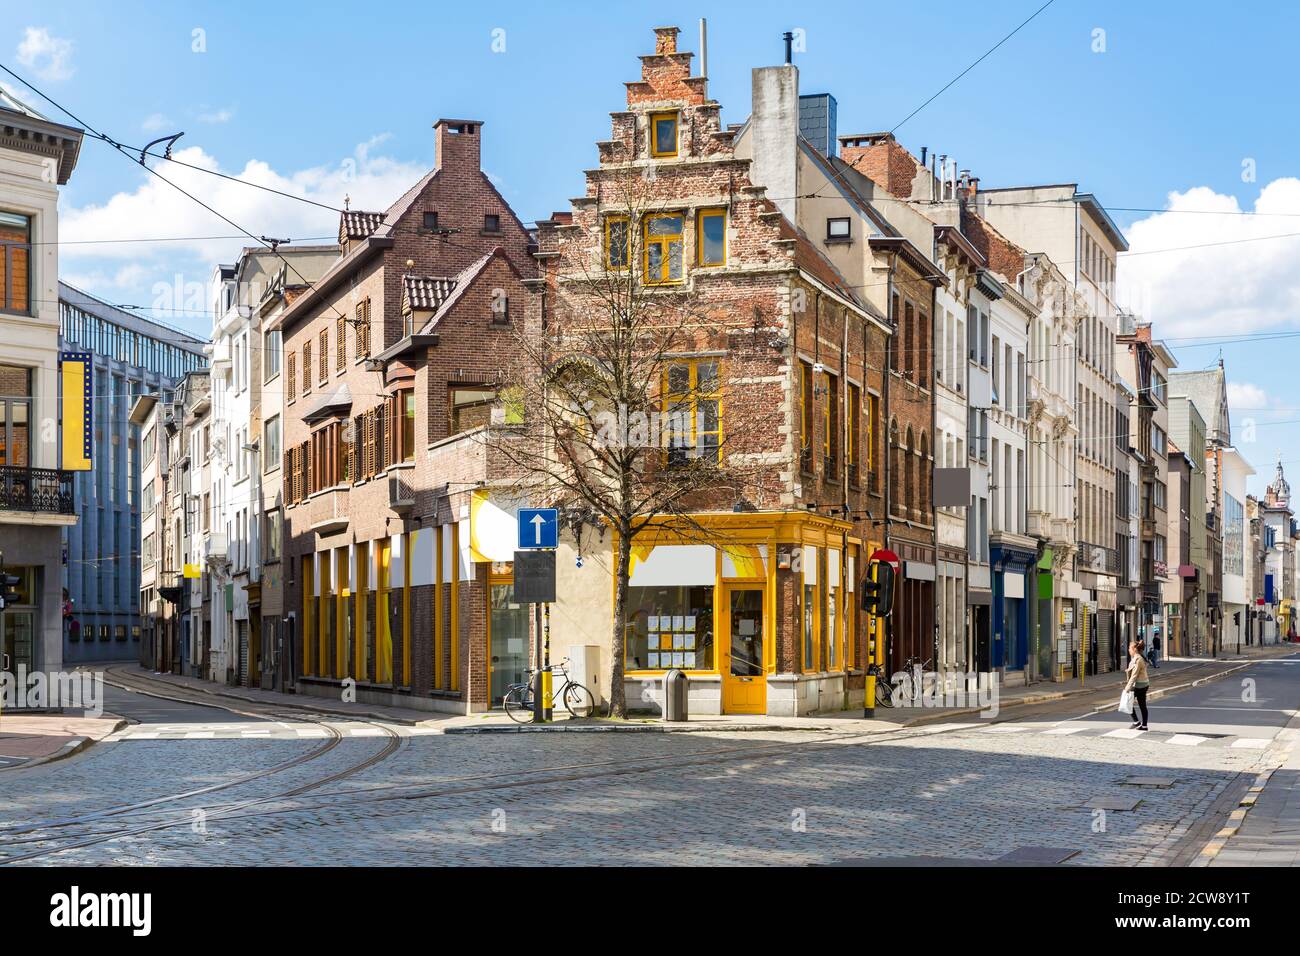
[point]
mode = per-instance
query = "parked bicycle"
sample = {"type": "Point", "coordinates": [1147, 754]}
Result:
{"type": "Point", "coordinates": [884, 690]}
{"type": "Point", "coordinates": [577, 699]}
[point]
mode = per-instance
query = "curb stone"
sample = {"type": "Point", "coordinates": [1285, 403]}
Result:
{"type": "Point", "coordinates": [73, 747]}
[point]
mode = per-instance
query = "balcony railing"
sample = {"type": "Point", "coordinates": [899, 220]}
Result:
{"type": "Point", "coordinates": [36, 489]}
{"type": "Point", "coordinates": [1097, 557]}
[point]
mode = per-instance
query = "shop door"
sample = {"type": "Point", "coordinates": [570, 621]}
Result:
{"type": "Point", "coordinates": [744, 684]}
{"type": "Point", "coordinates": [508, 657]}
{"type": "Point", "coordinates": [17, 641]}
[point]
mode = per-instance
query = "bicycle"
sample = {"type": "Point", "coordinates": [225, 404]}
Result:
{"type": "Point", "coordinates": [884, 690]}
{"type": "Point", "coordinates": [577, 699]}
{"type": "Point", "coordinates": [907, 677]}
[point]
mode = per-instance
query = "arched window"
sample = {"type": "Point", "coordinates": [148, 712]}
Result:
{"type": "Point", "coordinates": [923, 469]}
{"type": "Point", "coordinates": [895, 471]}
{"type": "Point", "coordinates": [909, 466]}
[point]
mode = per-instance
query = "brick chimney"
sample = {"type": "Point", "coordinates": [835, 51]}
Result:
{"type": "Point", "coordinates": [457, 143]}
{"type": "Point", "coordinates": [666, 40]}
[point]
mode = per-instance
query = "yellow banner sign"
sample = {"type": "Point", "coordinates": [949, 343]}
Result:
{"type": "Point", "coordinates": [77, 373]}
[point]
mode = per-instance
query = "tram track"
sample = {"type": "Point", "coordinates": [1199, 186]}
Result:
{"type": "Point", "coordinates": [271, 806]}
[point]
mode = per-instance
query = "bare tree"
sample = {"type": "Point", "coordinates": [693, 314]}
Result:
{"type": "Point", "coordinates": [609, 415]}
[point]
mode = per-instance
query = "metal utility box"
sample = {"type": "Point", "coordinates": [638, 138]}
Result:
{"type": "Point", "coordinates": [584, 667]}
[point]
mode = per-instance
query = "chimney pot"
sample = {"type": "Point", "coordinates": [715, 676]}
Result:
{"type": "Point", "coordinates": [457, 142]}
{"type": "Point", "coordinates": [666, 40]}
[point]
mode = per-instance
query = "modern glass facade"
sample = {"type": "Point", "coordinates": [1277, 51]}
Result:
{"type": "Point", "coordinates": [101, 559]}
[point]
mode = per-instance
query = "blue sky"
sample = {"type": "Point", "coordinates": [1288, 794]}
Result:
{"type": "Point", "coordinates": [331, 98]}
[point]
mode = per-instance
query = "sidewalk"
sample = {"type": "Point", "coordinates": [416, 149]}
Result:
{"type": "Point", "coordinates": [1171, 675]}
{"type": "Point", "coordinates": [29, 740]}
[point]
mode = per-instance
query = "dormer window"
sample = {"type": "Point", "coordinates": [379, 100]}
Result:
{"type": "Point", "coordinates": [663, 135]}
{"type": "Point", "coordinates": [838, 230]}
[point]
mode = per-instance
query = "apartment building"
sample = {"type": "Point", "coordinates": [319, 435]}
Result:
{"type": "Point", "coordinates": [37, 495]}
{"type": "Point", "coordinates": [392, 362]}
{"type": "Point", "coordinates": [246, 424]}
{"type": "Point", "coordinates": [1189, 624]}
{"type": "Point", "coordinates": [132, 356]}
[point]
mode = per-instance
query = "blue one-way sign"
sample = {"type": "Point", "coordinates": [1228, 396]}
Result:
{"type": "Point", "coordinates": [539, 528]}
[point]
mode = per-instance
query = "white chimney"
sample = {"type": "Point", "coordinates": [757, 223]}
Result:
{"type": "Point", "coordinates": [774, 128]}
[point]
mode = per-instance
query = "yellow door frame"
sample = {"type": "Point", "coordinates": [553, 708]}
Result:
{"type": "Point", "coordinates": [724, 591]}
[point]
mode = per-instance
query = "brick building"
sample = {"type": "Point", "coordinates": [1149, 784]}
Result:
{"type": "Point", "coordinates": [392, 362]}
{"type": "Point", "coordinates": [797, 354]}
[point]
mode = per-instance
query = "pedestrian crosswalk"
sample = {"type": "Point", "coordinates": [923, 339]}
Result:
{"type": "Point", "coordinates": [1173, 738]}
{"type": "Point", "coordinates": [261, 731]}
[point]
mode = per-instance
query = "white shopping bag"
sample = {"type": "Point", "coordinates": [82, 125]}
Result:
{"type": "Point", "coordinates": [1126, 702]}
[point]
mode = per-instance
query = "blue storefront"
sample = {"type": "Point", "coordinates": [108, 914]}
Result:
{"type": "Point", "coordinates": [1014, 589]}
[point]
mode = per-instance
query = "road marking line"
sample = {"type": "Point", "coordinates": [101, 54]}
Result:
{"type": "Point", "coordinates": [1187, 740]}
{"type": "Point", "coordinates": [1249, 743]}
{"type": "Point", "coordinates": [365, 732]}
{"type": "Point", "coordinates": [1124, 733]}
{"type": "Point", "coordinates": [1064, 731]}
{"type": "Point", "coordinates": [200, 735]}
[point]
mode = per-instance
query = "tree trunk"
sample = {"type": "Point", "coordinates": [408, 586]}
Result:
{"type": "Point", "coordinates": [617, 700]}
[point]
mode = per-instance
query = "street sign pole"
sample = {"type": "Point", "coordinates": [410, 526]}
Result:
{"type": "Point", "coordinates": [539, 714]}
{"type": "Point", "coordinates": [549, 712]}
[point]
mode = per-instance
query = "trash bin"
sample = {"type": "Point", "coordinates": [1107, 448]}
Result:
{"type": "Point", "coordinates": [675, 687]}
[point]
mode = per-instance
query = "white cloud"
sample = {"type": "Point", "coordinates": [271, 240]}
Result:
{"type": "Point", "coordinates": [155, 123]}
{"type": "Point", "coordinates": [154, 210]}
{"type": "Point", "coordinates": [1244, 396]}
{"type": "Point", "coordinates": [224, 115]}
{"type": "Point", "coordinates": [49, 56]}
{"type": "Point", "coordinates": [1222, 273]}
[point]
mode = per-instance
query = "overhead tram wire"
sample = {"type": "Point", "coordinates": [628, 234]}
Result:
{"type": "Point", "coordinates": [119, 148]}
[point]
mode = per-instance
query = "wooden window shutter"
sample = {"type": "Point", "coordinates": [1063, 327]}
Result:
{"type": "Point", "coordinates": [306, 367]}
{"type": "Point", "coordinates": [340, 332]}
{"type": "Point", "coordinates": [324, 354]}
{"type": "Point", "coordinates": [389, 456]}
{"type": "Point", "coordinates": [291, 376]}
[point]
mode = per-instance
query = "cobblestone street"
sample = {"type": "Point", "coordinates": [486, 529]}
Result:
{"type": "Point", "coordinates": [200, 785]}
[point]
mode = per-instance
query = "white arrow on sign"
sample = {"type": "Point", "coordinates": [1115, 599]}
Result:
{"type": "Point", "coordinates": [538, 522]}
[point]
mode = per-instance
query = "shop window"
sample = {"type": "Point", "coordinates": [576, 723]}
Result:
{"type": "Point", "coordinates": [711, 237]}
{"type": "Point", "coordinates": [663, 135]}
{"type": "Point", "coordinates": [811, 622]}
{"type": "Point", "coordinates": [663, 249]}
{"type": "Point", "coordinates": [669, 627]}
{"type": "Point", "coordinates": [618, 252]}
{"type": "Point", "coordinates": [693, 409]}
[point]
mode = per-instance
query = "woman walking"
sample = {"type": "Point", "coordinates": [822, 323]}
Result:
{"type": "Point", "coordinates": [1138, 682]}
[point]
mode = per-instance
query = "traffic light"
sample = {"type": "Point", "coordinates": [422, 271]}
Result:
{"type": "Point", "coordinates": [878, 589]}
{"type": "Point", "coordinates": [8, 585]}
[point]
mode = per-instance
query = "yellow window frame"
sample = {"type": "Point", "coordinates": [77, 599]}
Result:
{"type": "Point", "coordinates": [610, 265]}
{"type": "Point", "coordinates": [692, 397]}
{"type": "Point", "coordinates": [668, 117]}
{"type": "Point", "coordinates": [700, 216]}
{"type": "Point", "coordinates": [854, 423]}
{"type": "Point", "coordinates": [663, 242]}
